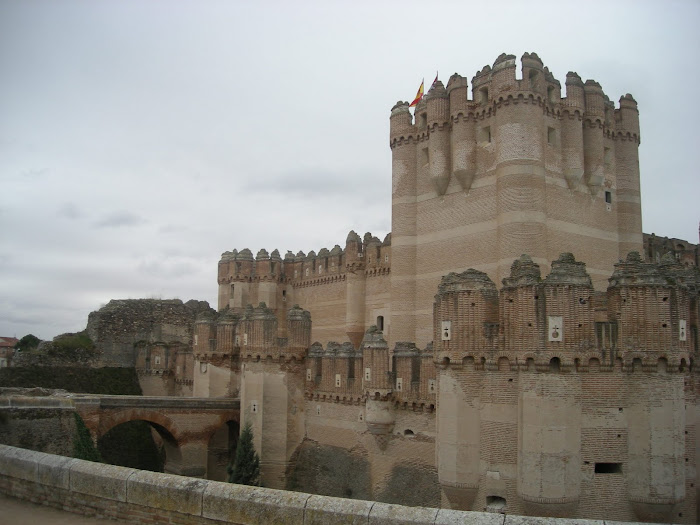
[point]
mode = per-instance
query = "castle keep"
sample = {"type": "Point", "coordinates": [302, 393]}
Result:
{"type": "Point", "coordinates": [511, 346]}
{"type": "Point", "coordinates": [476, 182]}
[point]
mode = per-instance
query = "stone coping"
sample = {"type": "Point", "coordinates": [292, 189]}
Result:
{"type": "Point", "coordinates": [70, 400]}
{"type": "Point", "coordinates": [201, 501]}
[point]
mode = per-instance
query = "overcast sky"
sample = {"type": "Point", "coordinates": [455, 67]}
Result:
{"type": "Point", "coordinates": [141, 139]}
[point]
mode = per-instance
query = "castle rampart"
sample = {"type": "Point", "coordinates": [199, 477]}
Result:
{"type": "Point", "coordinates": [541, 397]}
{"type": "Point", "coordinates": [344, 289]}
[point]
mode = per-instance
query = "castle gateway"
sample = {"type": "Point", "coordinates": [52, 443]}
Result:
{"type": "Point", "coordinates": [504, 348]}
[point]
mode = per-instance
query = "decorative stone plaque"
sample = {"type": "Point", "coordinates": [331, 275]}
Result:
{"type": "Point", "coordinates": [555, 329]}
{"type": "Point", "coordinates": [446, 330]}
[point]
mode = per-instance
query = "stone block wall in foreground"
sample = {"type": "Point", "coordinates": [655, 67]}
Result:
{"type": "Point", "coordinates": [138, 496]}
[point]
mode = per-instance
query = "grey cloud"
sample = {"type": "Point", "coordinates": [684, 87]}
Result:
{"type": "Point", "coordinates": [120, 220]}
{"type": "Point", "coordinates": [34, 173]}
{"type": "Point", "coordinates": [170, 268]}
{"type": "Point", "coordinates": [172, 228]}
{"type": "Point", "coordinates": [309, 183]}
{"type": "Point", "coordinates": [70, 210]}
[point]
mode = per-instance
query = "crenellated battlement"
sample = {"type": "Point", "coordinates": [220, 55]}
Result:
{"type": "Point", "coordinates": [254, 334]}
{"type": "Point", "coordinates": [558, 321]}
{"type": "Point", "coordinates": [532, 324]}
{"type": "Point", "coordinates": [370, 252]}
{"type": "Point", "coordinates": [494, 86]}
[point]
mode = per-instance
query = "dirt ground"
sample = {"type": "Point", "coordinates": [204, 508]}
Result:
{"type": "Point", "coordinates": [19, 512]}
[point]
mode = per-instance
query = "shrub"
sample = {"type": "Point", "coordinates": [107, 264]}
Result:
{"type": "Point", "coordinates": [246, 464]}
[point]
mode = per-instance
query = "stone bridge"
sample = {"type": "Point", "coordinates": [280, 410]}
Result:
{"type": "Point", "coordinates": [192, 429]}
{"type": "Point", "coordinates": [197, 433]}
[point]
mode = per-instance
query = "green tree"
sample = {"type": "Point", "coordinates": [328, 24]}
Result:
{"type": "Point", "coordinates": [28, 342]}
{"type": "Point", "coordinates": [83, 447]}
{"type": "Point", "coordinates": [246, 464]}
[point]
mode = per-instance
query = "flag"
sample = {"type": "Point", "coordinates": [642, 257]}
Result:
{"type": "Point", "coordinates": [419, 95]}
{"type": "Point", "coordinates": [436, 79]}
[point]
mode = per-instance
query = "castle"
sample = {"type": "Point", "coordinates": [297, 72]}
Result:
{"type": "Point", "coordinates": [476, 182]}
{"type": "Point", "coordinates": [441, 366]}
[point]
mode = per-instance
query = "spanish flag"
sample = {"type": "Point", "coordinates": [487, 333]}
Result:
{"type": "Point", "coordinates": [419, 95]}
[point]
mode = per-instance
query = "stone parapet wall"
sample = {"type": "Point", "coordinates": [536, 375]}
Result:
{"type": "Point", "coordinates": [138, 496]}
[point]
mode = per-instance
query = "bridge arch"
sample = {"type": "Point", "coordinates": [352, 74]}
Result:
{"type": "Point", "coordinates": [161, 422]}
{"type": "Point", "coordinates": [139, 444]}
{"type": "Point", "coordinates": [186, 425]}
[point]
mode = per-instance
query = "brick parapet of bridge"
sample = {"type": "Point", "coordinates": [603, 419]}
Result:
{"type": "Point", "coordinates": [139, 496]}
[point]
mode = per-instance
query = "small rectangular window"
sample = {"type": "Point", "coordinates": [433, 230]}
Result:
{"type": "Point", "coordinates": [485, 134]}
{"type": "Point", "coordinates": [484, 93]}
{"type": "Point", "coordinates": [607, 157]}
{"type": "Point", "coordinates": [425, 157]}
{"type": "Point", "coordinates": [608, 468]}
{"type": "Point", "coordinates": [423, 120]}
{"type": "Point", "coordinates": [608, 197]}
{"type": "Point", "coordinates": [551, 136]}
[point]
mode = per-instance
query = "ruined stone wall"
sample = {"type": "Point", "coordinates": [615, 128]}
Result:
{"type": "Point", "coordinates": [118, 327]}
{"type": "Point", "coordinates": [683, 251]}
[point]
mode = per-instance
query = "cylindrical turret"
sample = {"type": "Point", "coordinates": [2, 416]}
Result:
{"type": "Point", "coordinates": [438, 105]}
{"type": "Point", "coordinates": [503, 76]}
{"type": "Point", "coordinates": [575, 97]}
{"type": "Point", "coordinates": [568, 295]}
{"type": "Point", "coordinates": [481, 85]}
{"type": "Point", "coordinates": [298, 331]}
{"type": "Point", "coordinates": [377, 384]}
{"type": "Point", "coordinates": [458, 93]}
{"type": "Point", "coordinates": [204, 334]}
{"type": "Point", "coordinates": [335, 259]}
{"type": "Point", "coordinates": [400, 122]}
{"type": "Point", "coordinates": [259, 327]}
{"type": "Point", "coordinates": [549, 442]}
{"type": "Point", "coordinates": [406, 359]}
{"type": "Point", "coordinates": [355, 289]}
{"type": "Point", "coordinates": [656, 423]}
{"type": "Point", "coordinates": [404, 172]}
{"type": "Point", "coordinates": [375, 358]}
{"type": "Point", "coordinates": [572, 131]}
{"type": "Point", "coordinates": [533, 74]}
{"type": "Point", "coordinates": [463, 145]}
{"type": "Point", "coordinates": [225, 333]}
{"type": "Point", "coordinates": [629, 204]}
{"type": "Point", "coordinates": [465, 310]}
{"type": "Point", "coordinates": [646, 304]}
{"type": "Point", "coordinates": [522, 312]}
{"type": "Point", "coordinates": [519, 137]}
{"type": "Point", "coordinates": [244, 267]}
{"type": "Point", "coordinates": [266, 271]}
{"type": "Point", "coordinates": [465, 305]}
{"type": "Point", "coordinates": [593, 148]}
